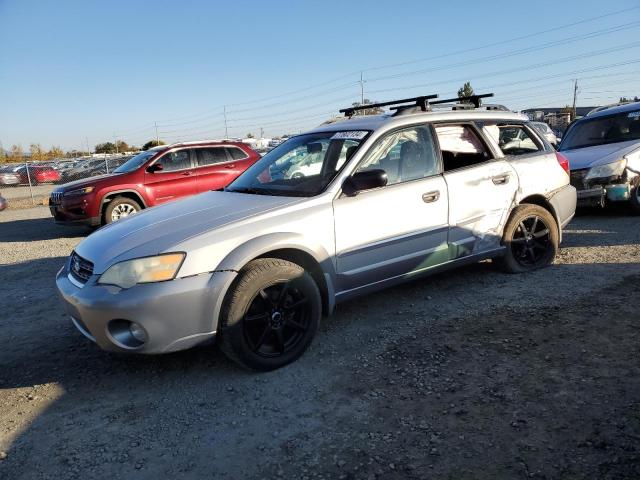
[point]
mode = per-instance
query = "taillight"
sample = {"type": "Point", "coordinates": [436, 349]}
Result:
{"type": "Point", "coordinates": [563, 161]}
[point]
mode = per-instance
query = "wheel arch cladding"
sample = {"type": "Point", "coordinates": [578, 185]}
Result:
{"type": "Point", "coordinates": [543, 202]}
{"type": "Point", "coordinates": [131, 194]}
{"type": "Point", "coordinates": [314, 259]}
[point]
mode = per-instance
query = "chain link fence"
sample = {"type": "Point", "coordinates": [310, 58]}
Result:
{"type": "Point", "coordinates": [30, 183]}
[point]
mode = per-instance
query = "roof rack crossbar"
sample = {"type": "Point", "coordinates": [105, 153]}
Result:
{"type": "Point", "coordinates": [422, 102]}
{"type": "Point", "coordinates": [474, 99]}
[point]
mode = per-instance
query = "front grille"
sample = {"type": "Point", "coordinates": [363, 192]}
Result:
{"type": "Point", "coordinates": [577, 178]}
{"type": "Point", "coordinates": [80, 268]}
{"type": "Point", "coordinates": [55, 198]}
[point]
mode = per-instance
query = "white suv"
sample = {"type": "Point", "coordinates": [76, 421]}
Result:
{"type": "Point", "coordinates": [256, 265]}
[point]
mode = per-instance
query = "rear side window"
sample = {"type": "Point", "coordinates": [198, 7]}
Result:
{"type": "Point", "coordinates": [211, 156]}
{"type": "Point", "coordinates": [173, 161]}
{"type": "Point", "coordinates": [461, 147]}
{"type": "Point", "coordinates": [513, 139]}
{"type": "Point", "coordinates": [236, 153]}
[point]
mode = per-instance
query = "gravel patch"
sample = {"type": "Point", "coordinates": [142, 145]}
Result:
{"type": "Point", "coordinates": [467, 374]}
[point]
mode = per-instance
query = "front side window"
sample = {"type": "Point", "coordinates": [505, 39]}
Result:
{"type": "Point", "coordinates": [211, 156]}
{"type": "Point", "coordinates": [512, 139]}
{"type": "Point", "coordinates": [461, 147]}
{"type": "Point", "coordinates": [589, 132]}
{"type": "Point", "coordinates": [173, 161]}
{"type": "Point", "coordinates": [301, 166]}
{"type": "Point", "coordinates": [405, 155]}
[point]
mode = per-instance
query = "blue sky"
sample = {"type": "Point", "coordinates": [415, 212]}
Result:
{"type": "Point", "coordinates": [72, 71]}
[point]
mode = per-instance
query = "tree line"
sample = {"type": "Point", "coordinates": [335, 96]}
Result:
{"type": "Point", "coordinates": [37, 153]}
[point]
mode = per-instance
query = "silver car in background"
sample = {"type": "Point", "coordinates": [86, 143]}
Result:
{"type": "Point", "coordinates": [545, 130]}
{"type": "Point", "coordinates": [604, 151]}
{"type": "Point", "coordinates": [396, 196]}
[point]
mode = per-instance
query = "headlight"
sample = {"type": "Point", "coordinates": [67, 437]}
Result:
{"type": "Point", "coordinates": [143, 270]}
{"type": "Point", "coordinates": [78, 192]}
{"type": "Point", "coordinates": [613, 169]}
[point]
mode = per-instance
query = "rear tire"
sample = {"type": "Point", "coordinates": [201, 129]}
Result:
{"type": "Point", "coordinates": [531, 239]}
{"type": "Point", "coordinates": [120, 207]}
{"type": "Point", "coordinates": [270, 315]}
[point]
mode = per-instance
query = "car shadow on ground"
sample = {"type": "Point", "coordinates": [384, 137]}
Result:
{"type": "Point", "coordinates": [38, 229]}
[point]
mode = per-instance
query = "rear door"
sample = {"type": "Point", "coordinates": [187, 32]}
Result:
{"type": "Point", "coordinates": [177, 178]}
{"type": "Point", "coordinates": [481, 189]}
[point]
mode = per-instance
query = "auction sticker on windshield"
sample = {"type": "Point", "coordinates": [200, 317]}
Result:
{"type": "Point", "coordinates": [350, 135]}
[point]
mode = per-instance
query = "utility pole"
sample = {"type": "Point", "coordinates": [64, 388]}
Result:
{"type": "Point", "coordinates": [575, 96]}
{"type": "Point", "coordinates": [261, 132]}
{"type": "Point", "coordinates": [115, 138]}
{"type": "Point", "coordinates": [157, 138]}
{"type": "Point", "coordinates": [361, 90]}
{"type": "Point", "coordinates": [88, 149]}
{"type": "Point", "coordinates": [226, 131]}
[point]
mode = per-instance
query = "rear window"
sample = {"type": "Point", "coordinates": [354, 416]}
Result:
{"type": "Point", "coordinates": [236, 153]}
{"type": "Point", "coordinates": [513, 139]}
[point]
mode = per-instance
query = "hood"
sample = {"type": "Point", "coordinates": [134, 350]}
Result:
{"type": "Point", "coordinates": [588, 157]}
{"type": "Point", "coordinates": [159, 229]}
{"type": "Point", "coordinates": [85, 182]}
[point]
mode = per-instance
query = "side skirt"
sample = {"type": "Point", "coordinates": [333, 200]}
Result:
{"type": "Point", "coordinates": [423, 272]}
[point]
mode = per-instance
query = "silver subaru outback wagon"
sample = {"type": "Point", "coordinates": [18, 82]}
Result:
{"type": "Point", "coordinates": [343, 210]}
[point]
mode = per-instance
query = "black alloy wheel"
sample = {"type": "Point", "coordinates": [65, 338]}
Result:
{"type": "Point", "coordinates": [531, 241]}
{"type": "Point", "coordinates": [277, 320]}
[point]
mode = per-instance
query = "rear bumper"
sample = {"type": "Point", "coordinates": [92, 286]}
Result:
{"type": "Point", "coordinates": [175, 315]}
{"type": "Point", "coordinates": [564, 202]}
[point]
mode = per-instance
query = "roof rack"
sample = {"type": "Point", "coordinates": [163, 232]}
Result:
{"type": "Point", "coordinates": [422, 102]}
{"type": "Point", "coordinates": [476, 100]}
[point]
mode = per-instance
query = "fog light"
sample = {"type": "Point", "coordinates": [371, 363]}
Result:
{"type": "Point", "coordinates": [138, 332]}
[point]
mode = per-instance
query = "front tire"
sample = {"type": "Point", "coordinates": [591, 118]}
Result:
{"type": "Point", "coordinates": [270, 315]}
{"type": "Point", "coordinates": [120, 207]}
{"type": "Point", "coordinates": [531, 239]}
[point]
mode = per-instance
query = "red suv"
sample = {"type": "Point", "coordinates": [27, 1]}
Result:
{"type": "Point", "coordinates": [156, 176]}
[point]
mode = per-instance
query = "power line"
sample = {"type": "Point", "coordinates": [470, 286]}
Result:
{"type": "Point", "coordinates": [393, 65]}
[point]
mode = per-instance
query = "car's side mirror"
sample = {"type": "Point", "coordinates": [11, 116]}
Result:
{"type": "Point", "coordinates": [365, 180]}
{"type": "Point", "coordinates": [156, 167]}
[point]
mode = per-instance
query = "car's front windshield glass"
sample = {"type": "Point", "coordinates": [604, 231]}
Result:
{"type": "Point", "coordinates": [620, 127]}
{"type": "Point", "coordinates": [302, 166]}
{"type": "Point", "coordinates": [135, 162]}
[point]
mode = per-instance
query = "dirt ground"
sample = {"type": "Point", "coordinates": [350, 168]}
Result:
{"type": "Point", "coordinates": [468, 374]}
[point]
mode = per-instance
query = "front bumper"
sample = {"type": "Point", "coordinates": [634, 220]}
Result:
{"type": "Point", "coordinates": [75, 211]}
{"type": "Point", "coordinates": [592, 197]}
{"type": "Point", "coordinates": [175, 315]}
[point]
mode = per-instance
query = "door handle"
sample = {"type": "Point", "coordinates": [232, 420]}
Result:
{"type": "Point", "coordinates": [500, 179]}
{"type": "Point", "coordinates": [430, 197]}
{"type": "Point", "coordinates": [187, 174]}
{"type": "Point", "coordinates": [232, 165]}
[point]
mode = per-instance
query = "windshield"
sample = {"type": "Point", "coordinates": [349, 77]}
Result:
{"type": "Point", "coordinates": [621, 127]}
{"type": "Point", "coordinates": [135, 162]}
{"type": "Point", "coordinates": [302, 166]}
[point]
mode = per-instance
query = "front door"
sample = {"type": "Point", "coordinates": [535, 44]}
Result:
{"type": "Point", "coordinates": [393, 231]}
{"type": "Point", "coordinates": [175, 180]}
